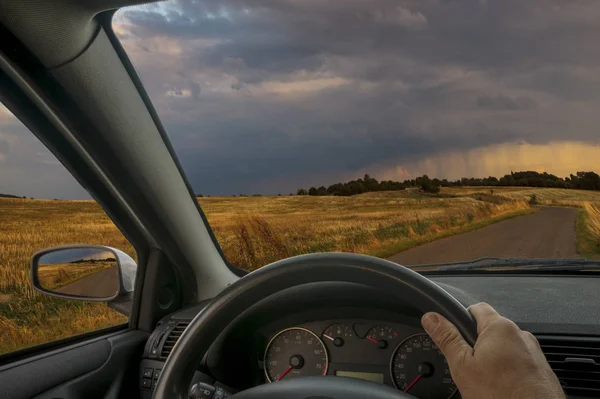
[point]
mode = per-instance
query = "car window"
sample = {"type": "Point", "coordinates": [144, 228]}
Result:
{"type": "Point", "coordinates": [380, 127]}
{"type": "Point", "coordinates": [41, 206]}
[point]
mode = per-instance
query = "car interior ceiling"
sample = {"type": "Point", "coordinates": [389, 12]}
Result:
{"type": "Point", "coordinates": [65, 73]}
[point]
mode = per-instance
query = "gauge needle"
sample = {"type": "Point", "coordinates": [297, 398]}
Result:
{"type": "Point", "coordinates": [373, 340]}
{"type": "Point", "coordinates": [413, 382]}
{"type": "Point", "coordinates": [328, 337]}
{"type": "Point", "coordinates": [284, 373]}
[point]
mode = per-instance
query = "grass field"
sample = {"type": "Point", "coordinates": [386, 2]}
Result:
{"type": "Point", "coordinates": [253, 231]}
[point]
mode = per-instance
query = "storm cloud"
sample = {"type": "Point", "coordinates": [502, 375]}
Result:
{"type": "Point", "coordinates": [311, 92]}
{"type": "Point", "coordinates": [271, 95]}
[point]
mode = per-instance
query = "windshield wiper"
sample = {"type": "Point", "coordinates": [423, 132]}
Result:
{"type": "Point", "coordinates": [517, 263]}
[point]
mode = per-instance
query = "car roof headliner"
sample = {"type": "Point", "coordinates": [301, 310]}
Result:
{"type": "Point", "coordinates": [56, 32]}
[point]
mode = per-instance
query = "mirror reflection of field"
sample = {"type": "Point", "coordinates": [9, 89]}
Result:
{"type": "Point", "coordinates": [252, 231]}
{"type": "Point", "coordinates": [59, 275]}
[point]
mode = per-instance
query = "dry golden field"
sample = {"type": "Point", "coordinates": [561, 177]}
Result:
{"type": "Point", "coordinates": [545, 196]}
{"type": "Point", "coordinates": [262, 230]}
{"type": "Point", "coordinates": [26, 226]}
{"type": "Point", "coordinates": [253, 231]}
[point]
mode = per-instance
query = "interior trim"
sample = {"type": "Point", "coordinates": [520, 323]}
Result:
{"type": "Point", "coordinates": [106, 22]}
{"type": "Point", "coordinates": [35, 353]}
{"type": "Point", "coordinates": [153, 180]}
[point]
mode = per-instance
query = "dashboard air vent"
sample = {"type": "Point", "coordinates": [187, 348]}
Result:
{"type": "Point", "coordinates": [172, 338]}
{"type": "Point", "coordinates": [576, 362]}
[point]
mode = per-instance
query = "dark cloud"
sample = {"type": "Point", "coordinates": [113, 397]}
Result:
{"type": "Point", "coordinates": [307, 92]}
{"type": "Point", "coordinates": [501, 102]}
{"type": "Point", "coordinates": [4, 148]}
{"type": "Point", "coordinates": [195, 90]}
{"type": "Point", "coordinates": [269, 95]}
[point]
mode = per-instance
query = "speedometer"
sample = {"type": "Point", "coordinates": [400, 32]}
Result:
{"type": "Point", "coordinates": [295, 352]}
{"type": "Point", "coordinates": [419, 368]}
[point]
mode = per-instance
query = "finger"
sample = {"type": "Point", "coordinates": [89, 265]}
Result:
{"type": "Point", "coordinates": [531, 338]}
{"type": "Point", "coordinates": [447, 337]}
{"type": "Point", "coordinates": [484, 314]}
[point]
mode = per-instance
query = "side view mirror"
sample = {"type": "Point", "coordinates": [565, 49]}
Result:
{"type": "Point", "coordinates": [84, 272]}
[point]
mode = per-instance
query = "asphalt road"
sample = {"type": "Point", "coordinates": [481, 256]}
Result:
{"type": "Point", "coordinates": [547, 233]}
{"type": "Point", "coordinates": [100, 285]}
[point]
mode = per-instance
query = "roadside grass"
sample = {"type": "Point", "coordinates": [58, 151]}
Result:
{"type": "Point", "coordinates": [588, 230]}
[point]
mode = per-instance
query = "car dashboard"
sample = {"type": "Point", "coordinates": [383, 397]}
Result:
{"type": "Point", "coordinates": [353, 331]}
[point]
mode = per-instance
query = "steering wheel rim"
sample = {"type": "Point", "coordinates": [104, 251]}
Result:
{"type": "Point", "coordinates": [202, 331]}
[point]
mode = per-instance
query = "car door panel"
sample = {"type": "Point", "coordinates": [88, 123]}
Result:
{"type": "Point", "coordinates": [104, 367]}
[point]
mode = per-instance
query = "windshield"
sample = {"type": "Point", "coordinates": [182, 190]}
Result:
{"type": "Point", "coordinates": [419, 131]}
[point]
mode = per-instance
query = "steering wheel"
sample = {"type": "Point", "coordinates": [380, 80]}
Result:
{"type": "Point", "coordinates": [195, 341]}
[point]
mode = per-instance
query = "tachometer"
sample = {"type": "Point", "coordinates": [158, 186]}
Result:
{"type": "Point", "coordinates": [295, 352]}
{"type": "Point", "coordinates": [419, 368]}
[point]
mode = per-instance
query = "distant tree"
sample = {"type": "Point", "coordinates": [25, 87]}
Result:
{"type": "Point", "coordinates": [586, 181]}
{"type": "Point", "coordinates": [199, 195]}
{"type": "Point", "coordinates": [428, 185]}
{"type": "Point", "coordinates": [508, 180]}
{"type": "Point", "coordinates": [580, 180]}
{"type": "Point", "coordinates": [431, 188]}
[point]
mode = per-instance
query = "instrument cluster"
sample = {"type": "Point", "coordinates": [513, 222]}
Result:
{"type": "Point", "coordinates": [388, 353]}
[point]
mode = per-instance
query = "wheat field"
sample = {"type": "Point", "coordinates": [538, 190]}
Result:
{"type": "Point", "coordinates": [265, 229]}
{"type": "Point", "coordinates": [252, 231]}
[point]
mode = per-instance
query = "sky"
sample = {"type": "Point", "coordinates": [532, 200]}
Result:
{"type": "Point", "coordinates": [70, 255]}
{"type": "Point", "coordinates": [266, 96]}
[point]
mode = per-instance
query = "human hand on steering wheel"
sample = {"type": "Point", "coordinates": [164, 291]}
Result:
{"type": "Point", "coordinates": [505, 362]}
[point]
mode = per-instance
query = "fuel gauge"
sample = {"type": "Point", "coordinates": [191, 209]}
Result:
{"type": "Point", "coordinates": [338, 334]}
{"type": "Point", "coordinates": [382, 336]}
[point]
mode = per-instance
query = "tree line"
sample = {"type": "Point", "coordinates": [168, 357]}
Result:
{"type": "Point", "coordinates": [580, 180]}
